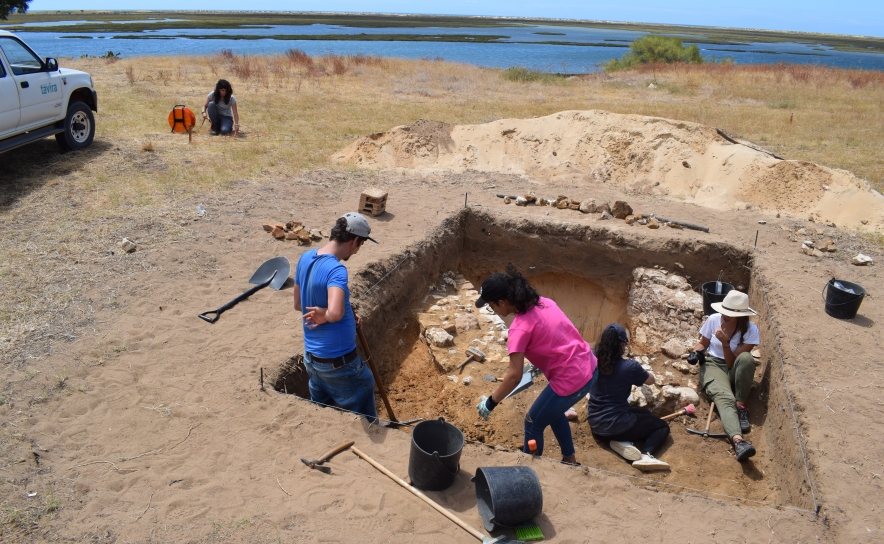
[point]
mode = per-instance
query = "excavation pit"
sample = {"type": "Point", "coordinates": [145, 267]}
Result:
{"type": "Point", "coordinates": [597, 275]}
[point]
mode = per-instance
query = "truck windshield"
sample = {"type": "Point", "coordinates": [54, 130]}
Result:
{"type": "Point", "coordinates": [21, 59]}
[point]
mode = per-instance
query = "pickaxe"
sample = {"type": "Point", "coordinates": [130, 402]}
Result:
{"type": "Point", "coordinates": [317, 464]}
{"type": "Point", "coordinates": [706, 433]}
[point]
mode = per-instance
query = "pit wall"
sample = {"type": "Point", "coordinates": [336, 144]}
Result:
{"type": "Point", "coordinates": [793, 486]}
{"type": "Point", "coordinates": [477, 243]}
{"type": "Point", "coordinates": [386, 293]}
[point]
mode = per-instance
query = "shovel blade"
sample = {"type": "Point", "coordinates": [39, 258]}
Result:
{"type": "Point", "coordinates": [526, 382]}
{"type": "Point", "coordinates": [275, 270]}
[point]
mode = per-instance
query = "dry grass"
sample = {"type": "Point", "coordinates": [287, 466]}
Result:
{"type": "Point", "coordinates": [296, 110]}
{"type": "Point", "coordinates": [58, 211]}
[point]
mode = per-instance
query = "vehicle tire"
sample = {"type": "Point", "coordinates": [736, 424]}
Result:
{"type": "Point", "coordinates": [79, 128]}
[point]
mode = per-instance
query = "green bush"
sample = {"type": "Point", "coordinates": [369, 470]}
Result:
{"type": "Point", "coordinates": [656, 49]}
{"type": "Point", "coordinates": [524, 75]}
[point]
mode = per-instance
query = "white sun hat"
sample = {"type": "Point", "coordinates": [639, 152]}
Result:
{"type": "Point", "coordinates": [735, 304]}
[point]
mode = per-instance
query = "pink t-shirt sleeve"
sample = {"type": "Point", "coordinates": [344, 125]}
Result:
{"type": "Point", "coordinates": [551, 343]}
{"type": "Point", "coordinates": [517, 339]}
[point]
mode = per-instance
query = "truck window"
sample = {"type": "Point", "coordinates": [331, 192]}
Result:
{"type": "Point", "coordinates": [21, 59]}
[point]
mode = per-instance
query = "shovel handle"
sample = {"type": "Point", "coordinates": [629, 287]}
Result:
{"type": "Point", "coordinates": [205, 316]}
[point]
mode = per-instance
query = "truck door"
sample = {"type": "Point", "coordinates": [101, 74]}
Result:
{"type": "Point", "coordinates": [8, 100]}
{"type": "Point", "coordinates": [40, 93]}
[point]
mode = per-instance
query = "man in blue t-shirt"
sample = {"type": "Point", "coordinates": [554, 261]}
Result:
{"type": "Point", "coordinates": [338, 376]}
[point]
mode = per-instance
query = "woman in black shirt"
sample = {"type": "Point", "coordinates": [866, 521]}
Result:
{"type": "Point", "coordinates": [610, 415]}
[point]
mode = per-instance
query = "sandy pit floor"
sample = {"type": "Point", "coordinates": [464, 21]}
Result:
{"type": "Point", "coordinates": [146, 424]}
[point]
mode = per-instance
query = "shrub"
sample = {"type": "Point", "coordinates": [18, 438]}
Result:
{"type": "Point", "coordinates": [524, 75]}
{"type": "Point", "coordinates": [656, 50]}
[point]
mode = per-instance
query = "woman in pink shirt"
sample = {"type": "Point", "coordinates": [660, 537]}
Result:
{"type": "Point", "coordinates": [543, 333]}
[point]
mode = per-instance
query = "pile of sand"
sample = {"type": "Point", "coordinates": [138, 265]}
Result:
{"type": "Point", "coordinates": [651, 155]}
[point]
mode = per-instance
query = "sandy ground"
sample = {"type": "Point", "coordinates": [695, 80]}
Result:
{"type": "Point", "coordinates": [151, 426]}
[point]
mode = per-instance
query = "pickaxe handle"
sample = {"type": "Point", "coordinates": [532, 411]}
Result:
{"type": "Point", "coordinates": [334, 451]}
{"type": "Point", "coordinates": [709, 419]}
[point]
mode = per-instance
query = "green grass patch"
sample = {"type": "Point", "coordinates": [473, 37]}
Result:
{"type": "Point", "coordinates": [524, 75]}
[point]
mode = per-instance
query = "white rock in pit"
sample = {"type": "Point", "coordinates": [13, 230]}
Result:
{"type": "Point", "coordinates": [682, 395]}
{"type": "Point", "coordinates": [861, 260]}
{"type": "Point", "coordinates": [435, 308]}
{"type": "Point", "coordinates": [684, 367]}
{"type": "Point", "coordinates": [674, 348]}
{"type": "Point", "coordinates": [439, 338]}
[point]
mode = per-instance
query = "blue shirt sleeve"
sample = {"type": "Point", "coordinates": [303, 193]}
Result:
{"type": "Point", "coordinates": [338, 277]}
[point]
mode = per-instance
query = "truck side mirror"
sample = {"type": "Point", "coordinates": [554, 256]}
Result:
{"type": "Point", "coordinates": [51, 65]}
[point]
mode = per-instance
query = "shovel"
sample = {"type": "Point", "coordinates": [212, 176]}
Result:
{"type": "Point", "coordinates": [273, 272]}
{"type": "Point", "coordinates": [526, 381]}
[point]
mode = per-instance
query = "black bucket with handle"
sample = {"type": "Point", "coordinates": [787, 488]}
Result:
{"type": "Point", "coordinates": [714, 291]}
{"type": "Point", "coordinates": [434, 460]}
{"type": "Point", "coordinates": [842, 298]}
{"type": "Point", "coordinates": [507, 496]}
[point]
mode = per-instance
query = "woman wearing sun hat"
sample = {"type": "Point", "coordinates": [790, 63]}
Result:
{"type": "Point", "coordinates": [727, 338]}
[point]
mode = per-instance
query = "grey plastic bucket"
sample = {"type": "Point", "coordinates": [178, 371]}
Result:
{"type": "Point", "coordinates": [507, 496]}
{"type": "Point", "coordinates": [710, 296]}
{"type": "Point", "coordinates": [840, 302]}
{"type": "Point", "coordinates": [434, 460]}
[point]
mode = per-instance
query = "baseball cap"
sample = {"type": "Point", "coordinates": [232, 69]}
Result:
{"type": "Point", "coordinates": [494, 288]}
{"type": "Point", "coordinates": [358, 225]}
{"type": "Point", "coordinates": [621, 332]}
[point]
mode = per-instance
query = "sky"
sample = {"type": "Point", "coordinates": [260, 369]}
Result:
{"type": "Point", "coordinates": [854, 17]}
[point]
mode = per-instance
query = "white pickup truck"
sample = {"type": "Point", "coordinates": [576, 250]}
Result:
{"type": "Point", "coordinates": [39, 99]}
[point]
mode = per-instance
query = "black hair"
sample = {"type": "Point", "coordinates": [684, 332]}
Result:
{"type": "Point", "coordinates": [519, 291]}
{"type": "Point", "coordinates": [223, 84]}
{"type": "Point", "coordinates": [742, 326]}
{"type": "Point", "coordinates": [609, 350]}
{"type": "Point", "coordinates": [340, 235]}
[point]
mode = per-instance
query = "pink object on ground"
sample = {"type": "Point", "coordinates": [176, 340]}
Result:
{"type": "Point", "coordinates": [689, 409]}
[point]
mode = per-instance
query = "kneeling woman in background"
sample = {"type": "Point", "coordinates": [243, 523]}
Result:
{"type": "Point", "coordinates": [610, 415]}
{"type": "Point", "coordinates": [220, 109]}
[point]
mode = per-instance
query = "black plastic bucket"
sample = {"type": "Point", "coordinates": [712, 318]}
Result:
{"type": "Point", "coordinates": [710, 296]}
{"type": "Point", "coordinates": [507, 496]}
{"type": "Point", "coordinates": [841, 303]}
{"type": "Point", "coordinates": [434, 461]}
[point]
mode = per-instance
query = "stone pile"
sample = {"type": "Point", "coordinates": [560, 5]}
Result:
{"type": "Point", "coordinates": [452, 323]}
{"type": "Point", "coordinates": [664, 313]}
{"type": "Point", "coordinates": [293, 230]}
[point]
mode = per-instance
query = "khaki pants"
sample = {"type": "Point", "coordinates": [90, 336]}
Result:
{"type": "Point", "coordinates": [727, 386]}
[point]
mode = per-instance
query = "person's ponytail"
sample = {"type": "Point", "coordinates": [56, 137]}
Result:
{"type": "Point", "coordinates": [520, 293]}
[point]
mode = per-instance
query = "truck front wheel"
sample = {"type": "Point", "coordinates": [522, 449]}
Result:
{"type": "Point", "coordinates": [79, 128]}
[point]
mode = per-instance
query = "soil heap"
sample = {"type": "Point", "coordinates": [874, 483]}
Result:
{"type": "Point", "coordinates": [684, 161]}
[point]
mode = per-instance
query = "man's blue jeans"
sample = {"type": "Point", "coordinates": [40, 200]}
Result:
{"type": "Point", "coordinates": [549, 411]}
{"type": "Point", "coordinates": [350, 387]}
{"type": "Point", "coordinates": [220, 123]}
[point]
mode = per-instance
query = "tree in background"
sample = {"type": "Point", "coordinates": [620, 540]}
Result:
{"type": "Point", "coordinates": [9, 6]}
{"type": "Point", "coordinates": [654, 50]}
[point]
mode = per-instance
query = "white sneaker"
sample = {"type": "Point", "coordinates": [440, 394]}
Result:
{"type": "Point", "coordinates": [626, 450]}
{"type": "Point", "coordinates": [650, 463]}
